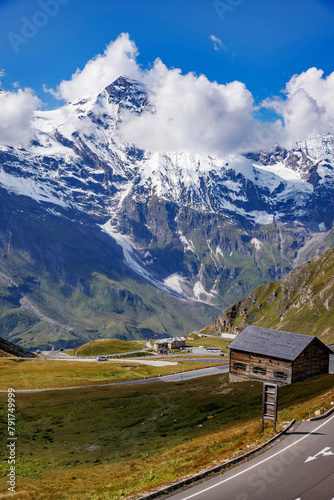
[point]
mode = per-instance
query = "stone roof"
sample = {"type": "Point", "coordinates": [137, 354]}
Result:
{"type": "Point", "coordinates": [171, 339]}
{"type": "Point", "coordinates": [273, 343]}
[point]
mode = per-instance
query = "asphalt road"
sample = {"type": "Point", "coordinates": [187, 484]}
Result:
{"type": "Point", "coordinates": [195, 351]}
{"type": "Point", "coordinates": [299, 467]}
{"type": "Point", "coordinates": [203, 372]}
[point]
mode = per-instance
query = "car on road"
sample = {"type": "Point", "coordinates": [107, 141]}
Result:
{"type": "Point", "coordinates": [102, 358]}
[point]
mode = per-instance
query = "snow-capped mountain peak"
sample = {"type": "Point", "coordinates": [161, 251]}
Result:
{"type": "Point", "coordinates": [79, 161]}
{"type": "Point", "coordinates": [81, 139]}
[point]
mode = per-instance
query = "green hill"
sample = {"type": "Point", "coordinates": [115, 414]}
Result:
{"type": "Point", "coordinates": [106, 346]}
{"type": "Point", "coordinates": [302, 302]}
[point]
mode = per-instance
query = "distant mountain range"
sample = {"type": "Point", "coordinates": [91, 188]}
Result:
{"type": "Point", "coordinates": [100, 238]}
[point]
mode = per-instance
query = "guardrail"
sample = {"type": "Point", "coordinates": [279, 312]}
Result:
{"type": "Point", "coordinates": [319, 417]}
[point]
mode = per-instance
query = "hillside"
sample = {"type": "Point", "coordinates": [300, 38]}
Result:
{"type": "Point", "coordinates": [9, 349]}
{"type": "Point", "coordinates": [63, 282]}
{"type": "Point", "coordinates": [302, 302]}
{"type": "Point", "coordinates": [106, 346]}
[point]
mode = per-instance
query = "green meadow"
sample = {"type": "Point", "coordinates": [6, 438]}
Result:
{"type": "Point", "coordinates": [117, 442]}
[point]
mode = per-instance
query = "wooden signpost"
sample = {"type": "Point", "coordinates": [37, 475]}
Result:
{"type": "Point", "coordinates": [269, 404]}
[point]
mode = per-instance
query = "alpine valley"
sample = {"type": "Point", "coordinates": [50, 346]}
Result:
{"type": "Point", "coordinates": [101, 239]}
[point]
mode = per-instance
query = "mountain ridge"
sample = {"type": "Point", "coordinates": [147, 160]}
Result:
{"type": "Point", "coordinates": [301, 303]}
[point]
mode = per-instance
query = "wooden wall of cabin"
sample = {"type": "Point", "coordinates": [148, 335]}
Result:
{"type": "Point", "coordinates": [314, 360]}
{"type": "Point", "coordinates": [272, 367]}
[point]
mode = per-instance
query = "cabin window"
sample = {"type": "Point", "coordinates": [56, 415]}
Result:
{"type": "Point", "coordinates": [306, 354]}
{"type": "Point", "coordinates": [259, 370]}
{"type": "Point", "coordinates": [281, 375]}
{"type": "Point", "coordinates": [239, 366]}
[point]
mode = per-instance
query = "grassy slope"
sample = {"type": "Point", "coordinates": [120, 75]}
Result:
{"type": "Point", "coordinates": [74, 443]}
{"type": "Point", "coordinates": [105, 346]}
{"type": "Point", "coordinates": [197, 341]}
{"type": "Point", "coordinates": [4, 354]}
{"type": "Point", "coordinates": [302, 302]}
{"type": "Point", "coordinates": [36, 374]}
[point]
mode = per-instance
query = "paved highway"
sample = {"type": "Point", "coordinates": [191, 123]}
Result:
{"type": "Point", "coordinates": [298, 467]}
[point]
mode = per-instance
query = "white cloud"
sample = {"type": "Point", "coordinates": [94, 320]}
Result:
{"type": "Point", "coordinates": [190, 112]}
{"type": "Point", "coordinates": [195, 115]}
{"type": "Point", "coordinates": [308, 107]}
{"type": "Point", "coordinates": [217, 43]}
{"type": "Point", "coordinates": [118, 58]}
{"type": "Point", "coordinates": [17, 111]}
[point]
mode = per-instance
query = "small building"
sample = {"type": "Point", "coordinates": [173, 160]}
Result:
{"type": "Point", "coordinates": [176, 342]}
{"type": "Point", "coordinates": [276, 356]}
{"type": "Point", "coordinates": [162, 346]}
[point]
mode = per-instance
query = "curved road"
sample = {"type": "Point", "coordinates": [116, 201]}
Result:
{"type": "Point", "coordinates": [299, 467]}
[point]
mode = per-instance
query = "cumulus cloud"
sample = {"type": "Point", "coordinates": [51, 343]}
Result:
{"type": "Point", "coordinates": [118, 58]}
{"type": "Point", "coordinates": [196, 115]}
{"type": "Point", "coordinates": [307, 108]}
{"type": "Point", "coordinates": [17, 111]}
{"type": "Point", "coordinates": [192, 114]}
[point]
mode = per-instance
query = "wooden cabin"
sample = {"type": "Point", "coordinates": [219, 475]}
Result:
{"type": "Point", "coordinates": [276, 356]}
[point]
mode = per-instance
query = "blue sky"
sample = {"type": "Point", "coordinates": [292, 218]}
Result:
{"type": "Point", "coordinates": [264, 42]}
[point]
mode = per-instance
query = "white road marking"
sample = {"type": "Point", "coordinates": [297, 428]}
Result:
{"type": "Point", "coordinates": [324, 453]}
{"type": "Point", "coordinates": [259, 463]}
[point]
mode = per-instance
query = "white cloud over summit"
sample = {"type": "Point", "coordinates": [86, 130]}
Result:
{"type": "Point", "coordinates": [119, 58]}
{"type": "Point", "coordinates": [195, 115]}
{"type": "Point", "coordinates": [191, 113]}
{"type": "Point", "coordinates": [16, 114]}
{"type": "Point", "coordinates": [308, 106]}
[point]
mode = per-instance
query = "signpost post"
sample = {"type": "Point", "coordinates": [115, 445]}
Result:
{"type": "Point", "coordinates": [269, 404]}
